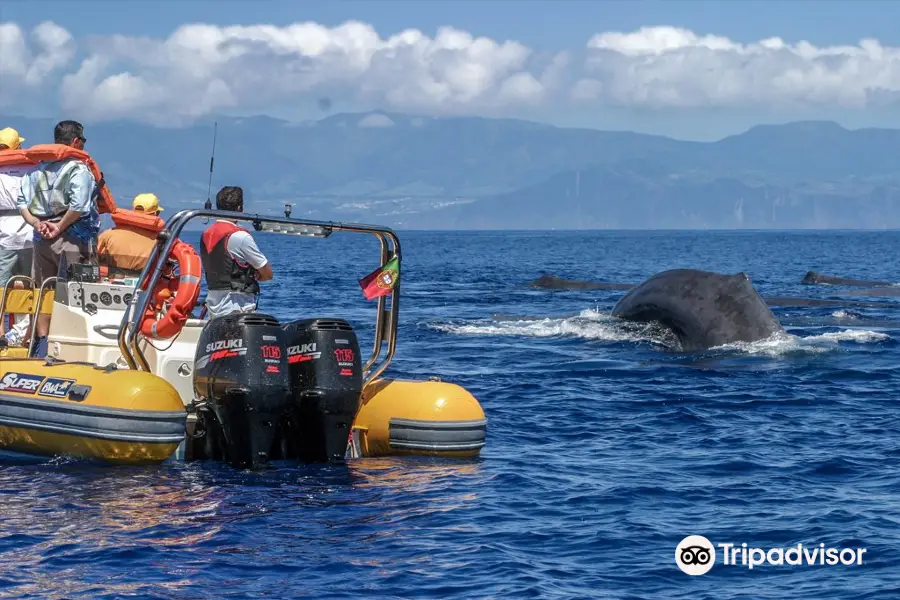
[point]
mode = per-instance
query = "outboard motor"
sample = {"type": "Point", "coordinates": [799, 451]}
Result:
{"type": "Point", "coordinates": [326, 381]}
{"type": "Point", "coordinates": [241, 371]}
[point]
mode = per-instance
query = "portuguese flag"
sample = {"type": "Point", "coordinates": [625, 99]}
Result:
{"type": "Point", "coordinates": [382, 280]}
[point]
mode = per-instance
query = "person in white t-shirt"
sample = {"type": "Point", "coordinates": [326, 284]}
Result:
{"type": "Point", "coordinates": [15, 233]}
{"type": "Point", "coordinates": [232, 262]}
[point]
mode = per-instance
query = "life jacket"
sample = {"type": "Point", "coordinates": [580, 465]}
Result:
{"type": "Point", "coordinates": [128, 257]}
{"type": "Point", "coordinates": [132, 219]}
{"type": "Point", "coordinates": [54, 152]}
{"type": "Point", "coordinates": [222, 271]}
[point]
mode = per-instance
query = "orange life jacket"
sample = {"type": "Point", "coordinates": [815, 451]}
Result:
{"type": "Point", "coordinates": [124, 217]}
{"type": "Point", "coordinates": [52, 152]}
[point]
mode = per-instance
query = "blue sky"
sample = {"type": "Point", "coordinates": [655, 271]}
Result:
{"type": "Point", "coordinates": [550, 24]}
{"type": "Point", "coordinates": [544, 27]}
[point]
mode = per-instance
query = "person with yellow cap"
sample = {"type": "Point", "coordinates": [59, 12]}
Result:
{"type": "Point", "coordinates": [125, 248]}
{"type": "Point", "coordinates": [9, 139]}
{"type": "Point", "coordinates": [15, 234]}
{"type": "Point", "coordinates": [147, 203]}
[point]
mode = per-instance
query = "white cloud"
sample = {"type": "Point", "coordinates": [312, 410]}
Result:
{"type": "Point", "coordinates": [25, 66]}
{"type": "Point", "coordinates": [201, 69]}
{"type": "Point", "coordinates": [670, 67]}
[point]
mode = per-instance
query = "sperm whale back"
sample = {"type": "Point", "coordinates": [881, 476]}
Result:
{"type": "Point", "coordinates": [702, 309]}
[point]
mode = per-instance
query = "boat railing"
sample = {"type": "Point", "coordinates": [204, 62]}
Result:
{"type": "Point", "coordinates": [386, 319]}
{"type": "Point", "coordinates": [38, 303]}
{"type": "Point", "coordinates": [6, 288]}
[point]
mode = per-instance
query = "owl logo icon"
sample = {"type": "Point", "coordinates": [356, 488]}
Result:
{"type": "Point", "coordinates": [695, 555]}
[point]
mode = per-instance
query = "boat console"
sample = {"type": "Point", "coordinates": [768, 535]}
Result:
{"type": "Point", "coordinates": [106, 295]}
{"type": "Point", "coordinates": [87, 314]}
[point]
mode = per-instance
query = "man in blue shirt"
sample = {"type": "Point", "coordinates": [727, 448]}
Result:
{"type": "Point", "coordinates": [58, 200]}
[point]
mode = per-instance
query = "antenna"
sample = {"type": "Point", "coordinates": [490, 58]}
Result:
{"type": "Point", "coordinates": [212, 160]}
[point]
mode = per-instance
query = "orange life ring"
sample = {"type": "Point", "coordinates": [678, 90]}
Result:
{"type": "Point", "coordinates": [181, 303]}
{"type": "Point", "coordinates": [53, 152]}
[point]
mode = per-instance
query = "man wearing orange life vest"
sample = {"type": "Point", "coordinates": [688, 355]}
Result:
{"type": "Point", "coordinates": [232, 262]}
{"type": "Point", "coordinates": [58, 199]}
{"type": "Point", "coordinates": [126, 248]}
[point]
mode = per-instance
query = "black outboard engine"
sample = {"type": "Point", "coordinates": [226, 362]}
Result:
{"type": "Point", "coordinates": [326, 380]}
{"type": "Point", "coordinates": [241, 371]}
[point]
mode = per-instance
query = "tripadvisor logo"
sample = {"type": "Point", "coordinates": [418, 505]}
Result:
{"type": "Point", "coordinates": [696, 555]}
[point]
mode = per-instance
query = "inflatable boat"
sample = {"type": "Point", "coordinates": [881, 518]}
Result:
{"type": "Point", "coordinates": [109, 415]}
{"type": "Point", "coordinates": [133, 375]}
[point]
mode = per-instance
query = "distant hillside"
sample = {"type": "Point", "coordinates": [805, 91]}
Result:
{"type": "Point", "coordinates": [425, 172]}
{"type": "Point", "coordinates": [636, 196]}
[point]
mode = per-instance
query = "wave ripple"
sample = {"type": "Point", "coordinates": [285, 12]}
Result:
{"type": "Point", "coordinates": [606, 447]}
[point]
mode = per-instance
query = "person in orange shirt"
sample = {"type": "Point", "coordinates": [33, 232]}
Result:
{"type": "Point", "coordinates": [125, 249]}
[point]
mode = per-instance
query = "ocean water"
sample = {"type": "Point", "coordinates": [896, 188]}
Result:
{"type": "Point", "coordinates": [605, 447]}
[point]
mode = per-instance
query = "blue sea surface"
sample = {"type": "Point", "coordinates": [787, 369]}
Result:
{"type": "Point", "coordinates": [605, 447]}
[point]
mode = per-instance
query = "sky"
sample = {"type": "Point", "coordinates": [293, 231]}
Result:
{"type": "Point", "coordinates": [691, 70]}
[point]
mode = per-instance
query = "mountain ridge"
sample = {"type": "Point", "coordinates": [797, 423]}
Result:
{"type": "Point", "coordinates": [426, 172]}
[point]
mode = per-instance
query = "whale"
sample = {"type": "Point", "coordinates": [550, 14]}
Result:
{"type": "Point", "coordinates": [552, 282]}
{"type": "Point", "coordinates": [702, 309]}
{"type": "Point", "coordinates": [792, 301]}
{"type": "Point", "coordinates": [812, 278]}
{"type": "Point", "coordinates": [885, 292]}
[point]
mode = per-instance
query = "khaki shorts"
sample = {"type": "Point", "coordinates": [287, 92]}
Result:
{"type": "Point", "coordinates": [47, 255]}
{"type": "Point", "coordinates": [15, 262]}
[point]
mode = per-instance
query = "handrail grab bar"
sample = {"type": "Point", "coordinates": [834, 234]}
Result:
{"type": "Point", "coordinates": [153, 268]}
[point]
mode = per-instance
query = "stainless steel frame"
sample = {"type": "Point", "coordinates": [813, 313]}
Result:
{"type": "Point", "coordinates": [47, 283]}
{"type": "Point", "coordinates": [386, 318]}
{"type": "Point", "coordinates": [37, 308]}
{"type": "Point", "coordinates": [6, 288]}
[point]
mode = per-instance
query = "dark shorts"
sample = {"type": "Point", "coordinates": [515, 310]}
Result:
{"type": "Point", "coordinates": [47, 254]}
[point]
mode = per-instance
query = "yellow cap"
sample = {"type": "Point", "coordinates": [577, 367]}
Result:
{"type": "Point", "coordinates": [148, 203]}
{"type": "Point", "coordinates": [10, 137]}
